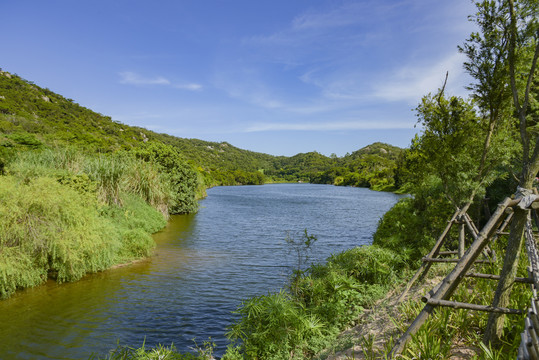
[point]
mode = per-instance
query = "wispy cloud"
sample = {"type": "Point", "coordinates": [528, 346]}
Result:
{"type": "Point", "coordinates": [131, 78]}
{"type": "Point", "coordinates": [328, 126]}
{"type": "Point", "coordinates": [347, 14]}
{"type": "Point", "coordinates": [192, 87]}
{"type": "Point", "coordinates": [411, 82]}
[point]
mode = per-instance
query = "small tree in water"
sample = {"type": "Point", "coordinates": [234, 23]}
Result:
{"type": "Point", "coordinates": [300, 248]}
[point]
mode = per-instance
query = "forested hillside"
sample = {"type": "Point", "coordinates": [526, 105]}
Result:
{"type": "Point", "coordinates": [32, 117]}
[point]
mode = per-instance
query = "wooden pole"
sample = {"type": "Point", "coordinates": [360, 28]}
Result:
{"type": "Point", "coordinates": [497, 277]}
{"type": "Point", "coordinates": [425, 266]}
{"type": "Point", "coordinates": [471, 226]}
{"type": "Point", "coordinates": [462, 240]}
{"type": "Point", "coordinates": [441, 260]}
{"type": "Point", "coordinates": [450, 283]}
{"type": "Point", "coordinates": [461, 305]}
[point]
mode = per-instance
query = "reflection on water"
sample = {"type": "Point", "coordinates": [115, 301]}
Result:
{"type": "Point", "coordinates": [204, 265]}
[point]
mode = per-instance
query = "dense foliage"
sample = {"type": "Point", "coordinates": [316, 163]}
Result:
{"type": "Point", "coordinates": [372, 166]}
{"type": "Point", "coordinates": [64, 215]}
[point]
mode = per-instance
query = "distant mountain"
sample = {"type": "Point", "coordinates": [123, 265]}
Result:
{"type": "Point", "coordinates": [377, 148]}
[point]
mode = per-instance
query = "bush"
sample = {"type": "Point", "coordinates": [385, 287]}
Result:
{"type": "Point", "coordinates": [182, 178]}
{"type": "Point", "coordinates": [274, 326]}
{"type": "Point", "coordinates": [60, 231]}
{"type": "Point", "coordinates": [412, 226]}
{"type": "Point", "coordinates": [325, 299]}
{"type": "Point", "coordinates": [53, 231]}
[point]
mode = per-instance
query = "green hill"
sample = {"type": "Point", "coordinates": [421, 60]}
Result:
{"type": "Point", "coordinates": [32, 117]}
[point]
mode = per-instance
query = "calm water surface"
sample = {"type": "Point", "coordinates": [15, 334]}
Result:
{"type": "Point", "coordinates": [205, 264]}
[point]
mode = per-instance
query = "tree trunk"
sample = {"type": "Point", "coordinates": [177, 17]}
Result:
{"type": "Point", "coordinates": [494, 329]}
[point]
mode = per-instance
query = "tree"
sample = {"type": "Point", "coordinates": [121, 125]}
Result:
{"type": "Point", "coordinates": [460, 144]}
{"type": "Point", "coordinates": [519, 21]}
{"type": "Point", "coordinates": [181, 176]}
{"type": "Point", "coordinates": [448, 144]}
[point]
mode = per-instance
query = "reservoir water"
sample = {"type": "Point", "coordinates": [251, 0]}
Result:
{"type": "Point", "coordinates": [204, 266]}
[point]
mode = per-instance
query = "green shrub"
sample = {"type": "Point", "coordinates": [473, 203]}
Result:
{"type": "Point", "coordinates": [53, 231]}
{"type": "Point", "coordinates": [325, 299]}
{"type": "Point", "coordinates": [369, 264]}
{"type": "Point", "coordinates": [50, 229]}
{"type": "Point", "coordinates": [274, 326]}
{"type": "Point", "coordinates": [412, 226]}
{"type": "Point", "coordinates": [183, 179]}
{"type": "Point", "coordinates": [27, 139]}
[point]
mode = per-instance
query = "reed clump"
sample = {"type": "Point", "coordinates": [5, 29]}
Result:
{"type": "Point", "coordinates": [65, 214]}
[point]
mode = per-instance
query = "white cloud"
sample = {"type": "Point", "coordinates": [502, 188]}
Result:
{"type": "Point", "coordinates": [328, 126]}
{"type": "Point", "coordinates": [411, 82]}
{"type": "Point", "coordinates": [128, 77]}
{"type": "Point", "coordinates": [131, 78]}
{"type": "Point", "coordinates": [347, 14]}
{"type": "Point", "coordinates": [192, 87]}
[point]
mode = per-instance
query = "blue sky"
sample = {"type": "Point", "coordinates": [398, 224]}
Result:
{"type": "Point", "coordinates": [279, 77]}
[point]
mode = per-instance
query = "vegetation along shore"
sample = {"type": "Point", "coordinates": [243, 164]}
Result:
{"type": "Point", "coordinates": [80, 193]}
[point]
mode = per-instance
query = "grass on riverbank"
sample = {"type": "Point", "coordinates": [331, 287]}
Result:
{"type": "Point", "coordinates": [325, 300]}
{"type": "Point", "coordinates": [159, 352]}
{"type": "Point", "coordinates": [64, 215]}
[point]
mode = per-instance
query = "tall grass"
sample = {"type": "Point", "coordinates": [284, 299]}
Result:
{"type": "Point", "coordinates": [64, 215]}
{"type": "Point", "coordinates": [51, 230]}
{"type": "Point", "coordinates": [159, 352]}
{"type": "Point", "coordinates": [109, 175]}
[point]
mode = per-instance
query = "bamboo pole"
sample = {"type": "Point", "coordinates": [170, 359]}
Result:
{"type": "Point", "coordinates": [471, 226]}
{"type": "Point", "coordinates": [532, 332]}
{"type": "Point", "coordinates": [461, 305]}
{"type": "Point", "coordinates": [425, 298]}
{"type": "Point", "coordinates": [533, 318]}
{"type": "Point", "coordinates": [448, 253]}
{"type": "Point", "coordinates": [440, 260]}
{"type": "Point", "coordinates": [425, 266]}
{"type": "Point", "coordinates": [462, 240]}
{"type": "Point", "coordinates": [452, 280]}
{"type": "Point", "coordinates": [497, 277]}
{"type": "Point", "coordinates": [476, 230]}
